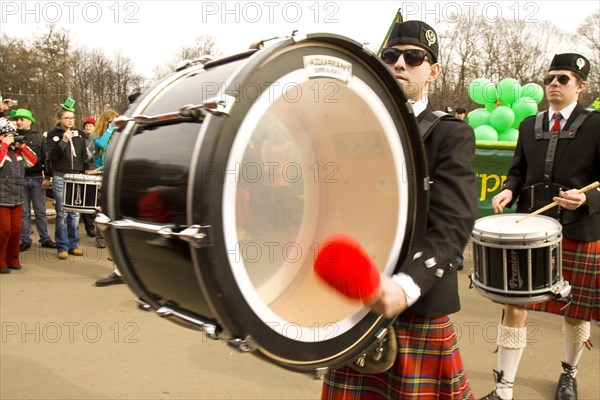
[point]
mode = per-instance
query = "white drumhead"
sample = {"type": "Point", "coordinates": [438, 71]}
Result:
{"type": "Point", "coordinates": [506, 226]}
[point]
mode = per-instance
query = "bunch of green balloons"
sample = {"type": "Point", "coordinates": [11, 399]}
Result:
{"type": "Point", "coordinates": [505, 106]}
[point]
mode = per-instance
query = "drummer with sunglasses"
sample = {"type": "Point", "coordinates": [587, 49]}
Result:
{"type": "Point", "coordinates": [552, 160]}
{"type": "Point", "coordinates": [425, 290]}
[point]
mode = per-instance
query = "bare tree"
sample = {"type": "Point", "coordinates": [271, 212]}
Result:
{"type": "Point", "coordinates": [204, 45]}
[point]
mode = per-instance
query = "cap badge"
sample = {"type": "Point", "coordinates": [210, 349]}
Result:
{"type": "Point", "coordinates": [430, 37]}
{"type": "Point", "coordinates": [580, 63]}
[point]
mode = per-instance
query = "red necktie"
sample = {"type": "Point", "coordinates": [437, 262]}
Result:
{"type": "Point", "coordinates": [556, 126]}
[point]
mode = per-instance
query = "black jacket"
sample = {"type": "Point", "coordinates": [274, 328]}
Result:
{"type": "Point", "coordinates": [60, 155]}
{"type": "Point", "coordinates": [36, 142]}
{"type": "Point", "coordinates": [450, 150]}
{"type": "Point", "coordinates": [576, 164]}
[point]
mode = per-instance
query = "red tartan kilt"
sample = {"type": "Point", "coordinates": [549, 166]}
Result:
{"type": "Point", "coordinates": [428, 366]}
{"type": "Point", "coordinates": [581, 268]}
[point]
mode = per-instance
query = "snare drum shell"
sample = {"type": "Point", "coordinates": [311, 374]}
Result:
{"type": "Point", "coordinates": [518, 264]}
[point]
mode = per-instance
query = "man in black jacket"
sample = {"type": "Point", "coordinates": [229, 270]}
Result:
{"type": "Point", "coordinates": [35, 186]}
{"type": "Point", "coordinates": [552, 160]}
{"type": "Point", "coordinates": [425, 290]}
{"type": "Point", "coordinates": [67, 154]}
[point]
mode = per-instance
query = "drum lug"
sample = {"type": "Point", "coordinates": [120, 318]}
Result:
{"type": "Point", "coordinates": [211, 330]}
{"type": "Point", "coordinates": [243, 345]}
{"type": "Point", "coordinates": [102, 221]}
{"type": "Point", "coordinates": [220, 105]}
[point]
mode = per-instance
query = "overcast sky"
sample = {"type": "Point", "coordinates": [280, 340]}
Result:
{"type": "Point", "coordinates": [151, 32]}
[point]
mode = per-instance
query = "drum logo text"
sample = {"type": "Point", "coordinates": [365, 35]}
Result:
{"type": "Point", "coordinates": [515, 281]}
{"type": "Point", "coordinates": [327, 66]}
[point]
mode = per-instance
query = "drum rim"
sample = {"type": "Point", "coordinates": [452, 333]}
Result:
{"type": "Point", "coordinates": [481, 234]}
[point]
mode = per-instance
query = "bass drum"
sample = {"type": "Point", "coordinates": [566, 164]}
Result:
{"type": "Point", "coordinates": [227, 177]}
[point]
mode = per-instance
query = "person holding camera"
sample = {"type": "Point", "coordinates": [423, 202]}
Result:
{"type": "Point", "coordinates": [34, 192]}
{"type": "Point", "coordinates": [14, 157]}
{"type": "Point", "coordinates": [67, 154]}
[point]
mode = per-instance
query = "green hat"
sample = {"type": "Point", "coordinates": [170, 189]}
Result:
{"type": "Point", "coordinates": [68, 104]}
{"type": "Point", "coordinates": [23, 113]}
{"type": "Point", "coordinates": [12, 114]}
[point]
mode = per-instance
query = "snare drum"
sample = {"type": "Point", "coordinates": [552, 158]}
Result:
{"type": "Point", "coordinates": [518, 262]}
{"type": "Point", "coordinates": [228, 175]}
{"type": "Point", "coordinates": [81, 192]}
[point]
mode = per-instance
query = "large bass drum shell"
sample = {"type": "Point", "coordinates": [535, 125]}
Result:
{"type": "Point", "coordinates": [315, 138]}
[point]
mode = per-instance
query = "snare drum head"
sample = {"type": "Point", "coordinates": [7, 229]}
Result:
{"type": "Point", "coordinates": [505, 226]}
{"type": "Point", "coordinates": [318, 140]}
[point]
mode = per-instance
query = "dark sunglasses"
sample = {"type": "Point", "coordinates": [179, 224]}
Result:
{"type": "Point", "coordinates": [562, 79]}
{"type": "Point", "coordinates": [412, 57]}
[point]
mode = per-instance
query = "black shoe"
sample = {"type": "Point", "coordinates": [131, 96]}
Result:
{"type": "Point", "coordinates": [567, 384]}
{"type": "Point", "coordinates": [111, 279]}
{"type": "Point", "coordinates": [49, 244]}
{"type": "Point", "coordinates": [4, 271]}
{"type": "Point", "coordinates": [24, 246]}
{"type": "Point", "coordinates": [499, 378]}
{"type": "Point", "coordinates": [16, 267]}
{"type": "Point", "coordinates": [90, 233]}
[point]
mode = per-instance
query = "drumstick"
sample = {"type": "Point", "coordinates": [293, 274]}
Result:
{"type": "Point", "coordinates": [555, 203]}
{"type": "Point", "coordinates": [347, 267]}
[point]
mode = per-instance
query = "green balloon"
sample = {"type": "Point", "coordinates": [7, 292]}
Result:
{"type": "Point", "coordinates": [533, 91]}
{"type": "Point", "coordinates": [502, 118]}
{"type": "Point", "coordinates": [509, 90]}
{"type": "Point", "coordinates": [524, 107]}
{"type": "Point", "coordinates": [509, 135]}
{"type": "Point", "coordinates": [486, 133]}
{"type": "Point", "coordinates": [477, 117]}
{"type": "Point", "coordinates": [482, 91]}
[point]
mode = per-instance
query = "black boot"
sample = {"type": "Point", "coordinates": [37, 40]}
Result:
{"type": "Point", "coordinates": [567, 384]}
{"type": "Point", "coordinates": [499, 379]}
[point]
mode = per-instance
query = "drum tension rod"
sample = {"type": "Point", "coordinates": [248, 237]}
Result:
{"type": "Point", "coordinates": [220, 105]}
{"type": "Point", "coordinates": [211, 330]}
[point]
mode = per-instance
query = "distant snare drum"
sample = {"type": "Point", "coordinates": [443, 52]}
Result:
{"type": "Point", "coordinates": [518, 263]}
{"type": "Point", "coordinates": [81, 192]}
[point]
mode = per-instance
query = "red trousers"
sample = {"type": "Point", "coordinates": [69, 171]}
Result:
{"type": "Point", "coordinates": [10, 231]}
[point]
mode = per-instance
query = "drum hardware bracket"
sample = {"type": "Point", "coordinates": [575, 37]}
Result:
{"type": "Point", "coordinates": [320, 372]}
{"type": "Point", "coordinates": [427, 182]}
{"type": "Point", "coordinates": [220, 105]}
{"type": "Point", "coordinates": [142, 305]}
{"type": "Point", "coordinates": [196, 235]}
{"type": "Point", "coordinates": [211, 330]}
{"type": "Point", "coordinates": [243, 345]}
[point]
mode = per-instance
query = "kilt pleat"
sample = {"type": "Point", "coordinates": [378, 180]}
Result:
{"type": "Point", "coordinates": [581, 268]}
{"type": "Point", "coordinates": [428, 366]}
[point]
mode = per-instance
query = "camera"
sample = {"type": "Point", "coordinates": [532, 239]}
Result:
{"type": "Point", "coordinates": [19, 139]}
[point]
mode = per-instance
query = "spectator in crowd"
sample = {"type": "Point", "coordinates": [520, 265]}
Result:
{"type": "Point", "coordinates": [67, 154]}
{"type": "Point", "coordinates": [34, 192]}
{"type": "Point", "coordinates": [460, 113]}
{"type": "Point", "coordinates": [88, 131]}
{"type": "Point", "coordinates": [14, 157]}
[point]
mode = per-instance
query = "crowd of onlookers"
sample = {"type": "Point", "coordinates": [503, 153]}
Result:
{"type": "Point", "coordinates": [34, 163]}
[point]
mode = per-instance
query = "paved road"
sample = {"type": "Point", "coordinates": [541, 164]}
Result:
{"type": "Point", "coordinates": [63, 338]}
